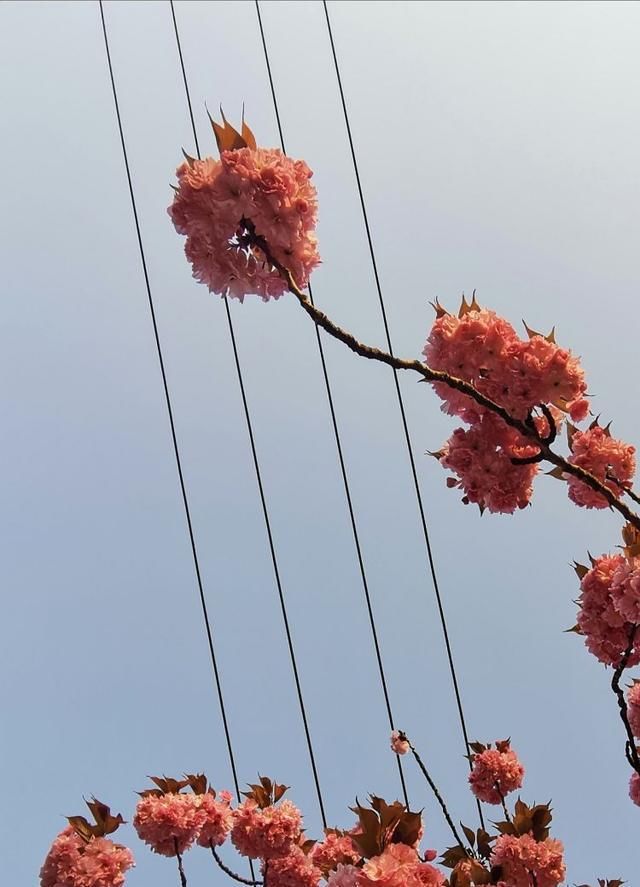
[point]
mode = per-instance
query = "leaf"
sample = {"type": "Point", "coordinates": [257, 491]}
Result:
{"type": "Point", "coordinates": [197, 782]}
{"type": "Point", "coordinates": [580, 569]}
{"type": "Point", "coordinates": [437, 307]}
{"type": "Point", "coordinates": [278, 791]}
{"type": "Point", "coordinates": [571, 432]}
{"type": "Point", "coordinates": [228, 138]}
{"type": "Point", "coordinates": [556, 472]}
{"type": "Point", "coordinates": [190, 160]}
{"type": "Point", "coordinates": [452, 856]}
{"type": "Point", "coordinates": [484, 843]}
{"type": "Point", "coordinates": [81, 827]}
{"type": "Point", "coordinates": [465, 307]}
{"type": "Point", "coordinates": [469, 833]}
{"type": "Point", "coordinates": [575, 630]}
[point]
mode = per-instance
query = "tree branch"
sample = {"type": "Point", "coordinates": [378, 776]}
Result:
{"type": "Point", "coordinates": [229, 871]}
{"type": "Point", "coordinates": [631, 750]}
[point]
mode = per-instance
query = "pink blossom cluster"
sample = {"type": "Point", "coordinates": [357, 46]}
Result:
{"type": "Point", "coordinates": [398, 866]}
{"type": "Point", "coordinates": [230, 208]}
{"type": "Point", "coordinates": [520, 857]}
{"type": "Point", "coordinates": [73, 862]}
{"type": "Point", "coordinates": [171, 822]}
{"type": "Point", "coordinates": [483, 349]}
{"type": "Point", "coordinates": [481, 457]}
{"type": "Point", "coordinates": [495, 773]}
{"type": "Point", "coordinates": [611, 461]}
{"type": "Point", "coordinates": [335, 850]}
{"type": "Point", "coordinates": [296, 869]}
{"type": "Point", "coordinates": [606, 595]}
{"type": "Point", "coordinates": [266, 833]}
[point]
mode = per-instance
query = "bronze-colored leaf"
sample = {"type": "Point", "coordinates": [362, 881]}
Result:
{"type": "Point", "coordinates": [190, 160]}
{"type": "Point", "coordinates": [581, 570]}
{"type": "Point", "coordinates": [278, 791]}
{"type": "Point", "coordinates": [484, 840]}
{"type": "Point", "coordinates": [469, 833]}
{"type": "Point", "coordinates": [556, 472]}
{"type": "Point", "coordinates": [573, 630]}
{"type": "Point", "coordinates": [197, 783]}
{"type": "Point", "coordinates": [81, 827]}
{"type": "Point", "coordinates": [452, 856]}
{"type": "Point", "coordinates": [437, 307]}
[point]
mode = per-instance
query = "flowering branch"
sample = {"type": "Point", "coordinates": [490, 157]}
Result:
{"type": "Point", "coordinates": [231, 873]}
{"type": "Point", "coordinates": [525, 428]}
{"type": "Point", "coordinates": [631, 751]}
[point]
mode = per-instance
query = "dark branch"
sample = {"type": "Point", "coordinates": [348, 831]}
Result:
{"type": "Point", "coordinates": [229, 871]}
{"type": "Point", "coordinates": [526, 428]}
{"type": "Point", "coordinates": [631, 751]}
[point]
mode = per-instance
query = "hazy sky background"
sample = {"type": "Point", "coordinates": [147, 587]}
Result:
{"type": "Point", "coordinates": [498, 145]}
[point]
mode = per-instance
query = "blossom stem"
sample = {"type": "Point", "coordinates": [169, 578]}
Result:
{"type": "Point", "coordinates": [631, 750]}
{"type": "Point", "coordinates": [625, 488]}
{"type": "Point", "coordinates": [229, 871]}
{"type": "Point", "coordinates": [431, 375]}
{"type": "Point", "coordinates": [434, 789]}
{"type": "Point", "coordinates": [526, 428]}
{"type": "Point", "coordinates": [183, 877]}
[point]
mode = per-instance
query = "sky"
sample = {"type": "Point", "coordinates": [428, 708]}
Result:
{"type": "Point", "coordinates": [497, 145]}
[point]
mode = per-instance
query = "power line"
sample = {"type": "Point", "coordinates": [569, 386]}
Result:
{"type": "Point", "coordinates": [167, 396]}
{"type": "Point", "coordinates": [343, 469]}
{"type": "Point", "coordinates": [263, 501]}
{"type": "Point", "coordinates": [405, 426]}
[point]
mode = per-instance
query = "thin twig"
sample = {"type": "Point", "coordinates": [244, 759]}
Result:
{"type": "Point", "coordinates": [628, 490]}
{"type": "Point", "coordinates": [525, 427]}
{"type": "Point", "coordinates": [434, 789]}
{"type": "Point", "coordinates": [631, 750]}
{"type": "Point", "coordinates": [183, 877]}
{"type": "Point", "coordinates": [229, 871]}
{"type": "Point", "coordinates": [504, 806]}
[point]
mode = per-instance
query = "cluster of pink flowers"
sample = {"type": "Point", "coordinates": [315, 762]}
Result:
{"type": "Point", "coordinates": [170, 822]}
{"type": "Point", "coordinates": [230, 208]}
{"type": "Point", "coordinates": [336, 849]}
{"type": "Point", "coordinates": [296, 869]}
{"type": "Point", "coordinates": [73, 862]}
{"type": "Point", "coordinates": [266, 832]}
{"type": "Point", "coordinates": [606, 595]}
{"type": "Point", "coordinates": [495, 773]}
{"type": "Point", "coordinates": [399, 866]}
{"type": "Point", "coordinates": [481, 457]}
{"type": "Point", "coordinates": [520, 857]}
{"type": "Point", "coordinates": [611, 461]}
{"type": "Point", "coordinates": [481, 348]}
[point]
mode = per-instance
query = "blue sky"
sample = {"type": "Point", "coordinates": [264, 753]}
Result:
{"type": "Point", "coordinates": [498, 148]}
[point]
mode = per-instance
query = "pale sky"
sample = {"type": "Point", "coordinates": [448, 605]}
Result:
{"type": "Point", "coordinates": [498, 147]}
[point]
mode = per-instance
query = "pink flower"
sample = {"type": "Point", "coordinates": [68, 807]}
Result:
{"type": "Point", "coordinates": [333, 851]}
{"type": "Point", "coordinates": [481, 458]}
{"type": "Point", "coordinates": [293, 870]}
{"type": "Point", "coordinates": [519, 857]}
{"type": "Point", "coordinates": [218, 819]}
{"type": "Point", "coordinates": [344, 876]}
{"type": "Point", "coordinates": [169, 822]}
{"type": "Point", "coordinates": [267, 832]}
{"type": "Point", "coordinates": [603, 456]}
{"type": "Point", "coordinates": [605, 630]}
{"type": "Point", "coordinates": [496, 772]}
{"type": "Point", "coordinates": [633, 709]}
{"type": "Point", "coordinates": [72, 862]}
{"type": "Point", "coordinates": [399, 866]}
{"type": "Point", "coordinates": [483, 349]}
{"type": "Point", "coordinates": [399, 743]}
{"type": "Point", "coordinates": [229, 209]}
{"type": "Point", "coordinates": [634, 788]}
{"type": "Point", "coordinates": [625, 591]}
